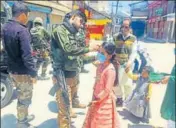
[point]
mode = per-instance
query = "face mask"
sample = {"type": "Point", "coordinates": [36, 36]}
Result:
{"type": "Point", "coordinates": [101, 57]}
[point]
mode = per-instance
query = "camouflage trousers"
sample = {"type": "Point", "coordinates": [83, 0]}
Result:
{"type": "Point", "coordinates": [44, 62]}
{"type": "Point", "coordinates": [72, 84]}
{"type": "Point", "coordinates": [24, 87]}
{"type": "Point", "coordinates": [62, 99]}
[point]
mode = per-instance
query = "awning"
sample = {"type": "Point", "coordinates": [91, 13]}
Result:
{"type": "Point", "coordinates": [33, 7]}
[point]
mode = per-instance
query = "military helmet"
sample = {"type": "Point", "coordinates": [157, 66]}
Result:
{"type": "Point", "coordinates": [38, 20]}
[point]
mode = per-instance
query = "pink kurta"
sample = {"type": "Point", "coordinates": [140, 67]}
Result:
{"type": "Point", "coordinates": [103, 114]}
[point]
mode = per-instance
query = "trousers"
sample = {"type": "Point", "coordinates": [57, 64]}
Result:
{"type": "Point", "coordinates": [24, 87]}
{"type": "Point", "coordinates": [62, 99]}
{"type": "Point", "coordinates": [125, 86]}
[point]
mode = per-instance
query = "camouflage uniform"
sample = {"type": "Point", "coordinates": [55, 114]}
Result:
{"type": "Point", "coordinates": [41, 45]}
{"type": "Point", "coordinates": [65, 53]}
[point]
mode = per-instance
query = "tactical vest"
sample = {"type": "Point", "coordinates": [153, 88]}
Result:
{"type": "Point", "coordinates": [124, 47]}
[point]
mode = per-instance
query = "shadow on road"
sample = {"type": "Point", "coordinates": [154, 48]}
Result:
{"type": "Point", "coordinates": [128, 116]}
{"type": "Point", "coordinates": [8, 121]}
{"type": "Point", "coordinates": [53, 106]}
{"type": "Point", "coordinates": [140, 126]}
{"type": "Point", "coordinates": [51, 123]}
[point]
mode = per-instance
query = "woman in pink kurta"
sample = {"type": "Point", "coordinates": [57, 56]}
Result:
{"type": "Point", "coordinates": [102, 110]}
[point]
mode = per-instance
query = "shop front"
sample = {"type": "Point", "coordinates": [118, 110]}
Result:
{"type": "Point", "coordinates": [37, 11]}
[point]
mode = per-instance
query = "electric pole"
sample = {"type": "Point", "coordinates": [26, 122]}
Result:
{"type": "Point", "coordinates": [112, 18]}
{"type": "Point", "coordinates": [117, 4]}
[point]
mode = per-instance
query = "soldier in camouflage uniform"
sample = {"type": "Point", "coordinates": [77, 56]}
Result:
{"type": "Point", "coordinates": [21, 65]}
{"type": "Point", "coordinates": [65, 53]}
{"type": "Point", "coordinates": [126, 53]}
{"type": "Point", "coordinates": [40, 43]}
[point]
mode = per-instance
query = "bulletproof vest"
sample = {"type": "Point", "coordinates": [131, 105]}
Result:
{"type": "Point", "coordinates": [123, 47]}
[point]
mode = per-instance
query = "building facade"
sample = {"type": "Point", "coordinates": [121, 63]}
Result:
{"type": "Point", "coordinates": [159, 25]}
{"type": "Point", "coordinates": [139, 10]}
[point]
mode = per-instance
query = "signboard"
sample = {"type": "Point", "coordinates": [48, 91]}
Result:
{"type": "Point", "coordinates": [159, 11]}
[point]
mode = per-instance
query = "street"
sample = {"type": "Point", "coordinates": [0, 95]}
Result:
{"type": "Point", "coordinates": [45, 109]}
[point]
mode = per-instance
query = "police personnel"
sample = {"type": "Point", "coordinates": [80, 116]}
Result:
{"type": "Point", "coordinates": [21, 65]}
{"type": "Point", "coordinates": [40, 44]}
{"type": "Point", "coordinates": [65, 53]}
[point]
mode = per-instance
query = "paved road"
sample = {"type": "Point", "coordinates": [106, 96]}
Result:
{"type": "Point", "coordinates": [45, 109]}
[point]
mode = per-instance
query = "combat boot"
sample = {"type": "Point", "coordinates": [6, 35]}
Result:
{"type": "Point", "coordinates": [24, 125]}
{"type": "Point", "coordinates": [30, 118]}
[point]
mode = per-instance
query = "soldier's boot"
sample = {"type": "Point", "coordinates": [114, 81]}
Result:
{"type": "Point", "coordinates": [24, 118]}
{"type": "Point", "coordinates": [30, 118]}
{"type": "Point", "coordinates": [75, 99]}
{"type": "Point", "coordinates": [24, 125]}
{"type": "Point", "coordinates": [72, 113]}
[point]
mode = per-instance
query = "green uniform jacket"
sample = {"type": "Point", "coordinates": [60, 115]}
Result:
{"type": "Point", "coordinates": [168, 106]}
{"type": "Point", "coordinates": [66, 50]}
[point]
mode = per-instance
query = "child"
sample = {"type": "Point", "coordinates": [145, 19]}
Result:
{"type": "Point", "coordinates": [138, 102]}
{"type": "Point", "coordinates": [102, 111]}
